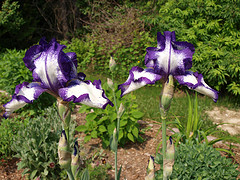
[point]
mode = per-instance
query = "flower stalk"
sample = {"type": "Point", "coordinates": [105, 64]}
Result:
{"type": "Point", "coordinates": [119, 111]}
{"type": "Point", "coordinates": [165, 102]}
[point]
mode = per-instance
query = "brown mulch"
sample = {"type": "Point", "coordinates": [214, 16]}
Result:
{"type": "Point", "coordinates": [133, 157]}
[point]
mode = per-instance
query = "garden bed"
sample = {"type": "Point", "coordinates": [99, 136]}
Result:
{"type": "Point", "coordinates": [133, 157]}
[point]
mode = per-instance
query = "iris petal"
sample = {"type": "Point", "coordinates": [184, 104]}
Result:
{"type": "Point", "coordinates": [85, 92]}
{"type": "Point", "coordinates": [138, 78]}
{"type": "Point", "coordinates": [24, 93]}
{"type": "Point", "coordinates": [170, 57]}
{"type": "Point", "coordinates": [50, 65]}
{"type": "Point", "coordinates": [196, 82]}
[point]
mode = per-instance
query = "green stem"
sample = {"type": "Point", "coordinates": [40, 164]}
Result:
{"type": "Point", "coordinates": [118, 124]}
{"type": "Point", "coordinates": [70, 175]}
{"type": "Point", "coordinates": [164, 140]}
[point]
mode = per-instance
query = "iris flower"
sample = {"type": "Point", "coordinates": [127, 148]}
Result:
{"type": "Point", "coordinates": [55, 72]}
{"type": "Point", "coordinates": [168, 58]}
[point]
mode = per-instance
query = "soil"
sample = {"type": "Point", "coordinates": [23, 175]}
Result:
{"type": "Point", "coordinates": [133, 157]}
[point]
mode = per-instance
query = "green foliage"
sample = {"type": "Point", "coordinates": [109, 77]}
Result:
{"type": "Point", "coordinates": [120, 34]}
{"type": "Point", "coordinates": [8, 131]}
{"type": "Point", "coordinates": [193, 132]}
{"type": "Point", "coordinates": [213, 27]}
{"type": "Point", "coordinates": [199, 162]}
{"type": "Point", "coordinates": [10, 17]}
{"type": "Point", "coordinates": [37, 143]}
{"type": "Point", "coordinates": [13, 70]}
{"type": "Point", "coordinates": [101, 123]}
{"type": "Point", "coordinates": [99, 172]}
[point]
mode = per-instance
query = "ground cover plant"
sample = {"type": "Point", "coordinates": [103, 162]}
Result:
{"type": "Point", "coordinates": [200, 162]}
{"type": "Point", "coordinates": [36, 145]}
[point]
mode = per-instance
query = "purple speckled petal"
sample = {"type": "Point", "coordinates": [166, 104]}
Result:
{"type": "Point", "coordinates": [138, 78]}
{"type": "Point", "coordinates": [50, 65]}
{"type": "Point", "coordinates": [73, 57]}
{"type": "Point", "coordinates": [85, 92]}
{"type": "Point", "coordinates": [24, 93]}
{"type": "Point", "coordinates": [196, 82]}
{"type": "Point", "coordinates": [170, 57]}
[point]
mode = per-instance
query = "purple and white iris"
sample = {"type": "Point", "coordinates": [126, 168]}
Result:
{"type": "Point", "coordinates": [168, 58]}
{"type": "Point", "coordinates": [55, 72]}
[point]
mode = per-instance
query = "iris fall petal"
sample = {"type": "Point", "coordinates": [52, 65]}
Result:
{"type": "Point", "coordinates": [138, 78]}
{"type": "Point", "coordinates": [24, 93]}
{"type": "Point", "coordinates": [85, 92]}
{"type": "Point", "coordinates": [196, 82]}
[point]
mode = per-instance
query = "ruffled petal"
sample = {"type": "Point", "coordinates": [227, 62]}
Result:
{"type": "Point", "coordinates": [50, 65]}
{"type": "Point", "coordinates": [24, 93]}
{"type": "Point", "coordinates": [170, 57]}
{"type": "Point", "coordinates": [85, 92]}
{"type": "Point", "coordinates": [138, 78]}
{"type": "Point", "coordinates": [196, 82]}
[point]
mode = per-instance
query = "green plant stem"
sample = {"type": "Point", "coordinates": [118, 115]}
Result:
{"type": "Point", "coordinates": [70, 175]}
{"type": "Point", "coordinates": [118, 124]}
{"type": "Point", "coordinates": [164, 141]}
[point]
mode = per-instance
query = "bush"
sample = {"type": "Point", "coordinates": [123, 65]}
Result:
{"type": "Point", "coordinates": [13, 70]}
{"type": "Point", "coordinates": [200, 162]}
{"type": "Point", "coordinates": [37, 145]}
{"type": "Point", "coordinates": [120, 34]}
{"type": "Point", "coordinates": [101, 123]}
{"type": "Point", "coordinates": [8, 131]}
{"type": "Point", "coordinates": [213, 28]}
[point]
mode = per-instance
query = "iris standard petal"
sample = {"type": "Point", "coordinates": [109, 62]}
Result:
{"type": "Point", "coordinates": [24, 93]}
{"type": "Point", "coordinates": [85, 92]}
{"type": "Point", "coordinates": [170, 57]}
{"type": "Point", "coordinates": [138, 78]}
{"type": "Point", "coordinates": [50, 65]}
{"type": "Point", "coordinates": [196, 82]}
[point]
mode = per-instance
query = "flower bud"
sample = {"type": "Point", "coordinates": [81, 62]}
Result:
{"type": "Point", "coordinates": [110, 83]}
{"type": "Point", "coordinates": [75, 164]}
{"type": "Point", "coordinates": [114, 141]}
{"type": "Point", "coordinates": [120, 111]}
{"type": "Point", "coordinates": [63, 153]}
{"type": "Point", "coordinates": [150, 169]}
{"type": "Point", "coordinates": [167, 94]}
{"type": "Point", "coordinates": [112, 64]}
{"type": "Point", "coordinates": [169, 161]}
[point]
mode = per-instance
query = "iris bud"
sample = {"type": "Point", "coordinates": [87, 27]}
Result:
{"type": "Point", "coordinates": [112, 64]}
{"type": "Point", "coordinates": [120, 111]}
{"type": "Point", "coordinates": [63, 153]}
{"type": "Point", "coordinates": [150, 169]}
{"type": "Point", "coordinates": [169, 161]}
{"type": "Point", "coordinates": [110, 83]}
{"type": "Point", "coordinates": [114, 141]}
{"type": "Point", "coordinates": [167, 94]}
{"type": "Point", "coordinates": [75, 164]}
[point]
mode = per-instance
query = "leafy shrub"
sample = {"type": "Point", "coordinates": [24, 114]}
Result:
{"type": "Point", "coordinates": [120, 34]}
{"type": "Point", "coordinates": [8, 130]}
{"type": "Point", "coordinates": [13, 70]}
{"type": "Point", "coordinates": [101, 123]}
{"type": "Point", "coordinates": [213, 27]}
{"type": "Point", "coordinates": [37, 144]}
{"type": "Point", "coordinates": [200, 162]}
